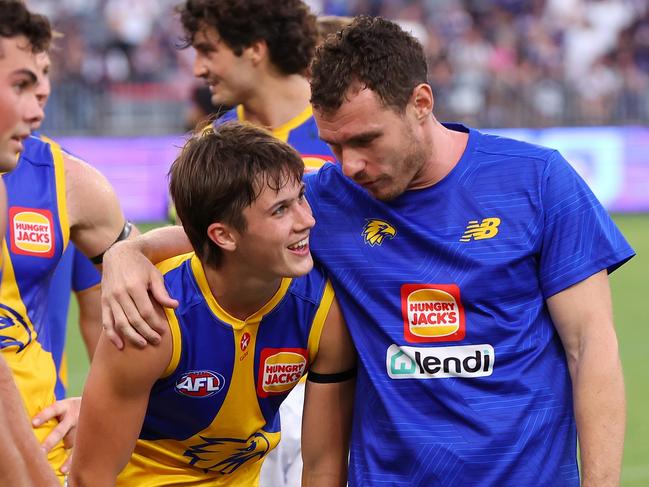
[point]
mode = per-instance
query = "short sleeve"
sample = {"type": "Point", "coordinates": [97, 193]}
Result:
{"type": "Point", "coordinates": [84, 273]}
{"type": "Point", "coordinates": [579, 237]}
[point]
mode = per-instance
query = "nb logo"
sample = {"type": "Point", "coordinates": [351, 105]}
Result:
{"type": "Point", "coordinates": [375, 231]}
{"type": "Point", "coordinates": [488, 228]}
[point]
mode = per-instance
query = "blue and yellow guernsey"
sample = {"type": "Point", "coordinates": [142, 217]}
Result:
{"type": "Point", "coordinates": [36, 236]}
{"type": "Point", "coordinates": [213, 416]}
{"type": "Point", "coordinates": [301, 133]}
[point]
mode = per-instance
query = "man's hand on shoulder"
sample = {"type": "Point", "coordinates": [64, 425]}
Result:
{"type": "Point", "coordinates": [129, 283]}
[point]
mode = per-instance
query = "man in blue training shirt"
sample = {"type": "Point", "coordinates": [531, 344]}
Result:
{"type": "Point", "coordinates": [472, 273]}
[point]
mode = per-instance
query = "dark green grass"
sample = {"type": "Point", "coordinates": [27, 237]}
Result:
{"type": "Point", "coordinates": [630, 286]}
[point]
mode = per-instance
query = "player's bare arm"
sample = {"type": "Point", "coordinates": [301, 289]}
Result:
{"type": "Point", "coordinates": [112, 411]}
{"type": "Point", "coordinates": [22, 462]}
{"type": "Point", "coordinates": [583, 316]}
{"type": "Point", "coordinates": [89, 302]}
{"type": "Point", "coordinates": [129, 280]}
{"type": "Point", "coordinates": [326, 423]}
{"type": "Point", "coordinates": [95, 216]}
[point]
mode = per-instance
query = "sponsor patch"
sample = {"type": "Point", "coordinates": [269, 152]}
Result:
{"type": "Point", "coordinates": [32, 231]}
{"type": "Point", "coordinates": [487, 228]}
{"type": "Point", "coordinates": [200, 383]}
{"type": "Point", "coordinates": [432, 313]}
{"type": "Point", "coordinates": [280, 369]}
{"type": "Point", "coordinates": [440, 362]}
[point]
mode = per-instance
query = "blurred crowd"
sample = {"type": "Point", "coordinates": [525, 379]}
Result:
{"type": "Point", "coordinates": [493, 63]}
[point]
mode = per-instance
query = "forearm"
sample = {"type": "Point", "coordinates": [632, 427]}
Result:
{"type": "Point", "coordinates": [326, 427]}
{"type": "Point", "coordinates": [161, 243]}
{"type": "Point", "coordinates": [600, 411]}
{"type": "Point", "coordinates": [23, 462]}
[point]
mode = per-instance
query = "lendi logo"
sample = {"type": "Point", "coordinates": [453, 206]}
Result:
{"type": "Point", "coordinates": [440, 362]}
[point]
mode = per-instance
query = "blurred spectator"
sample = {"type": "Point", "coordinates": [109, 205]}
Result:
{"type": "Point", "coordinates": [492, 63]}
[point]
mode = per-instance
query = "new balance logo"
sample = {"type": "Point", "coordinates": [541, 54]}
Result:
{"type": "Point", "coordinates": [487, 228]}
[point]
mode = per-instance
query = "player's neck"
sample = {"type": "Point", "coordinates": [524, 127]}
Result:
{"type": "Point", "coordinates": [446, 149]}
{"type": "Point", "coordinates": [238, 293]}
{"type": "Point", "coordinates": [277, 100]}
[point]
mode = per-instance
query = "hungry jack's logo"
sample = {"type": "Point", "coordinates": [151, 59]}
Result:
{"type": "Point", "coordinates": [31, 231]}
{"type": "Point", "coordinates": [432, 313]}
{"type": "Point", "coordinates": [375, 231]}
{"type": "Point", "coordinates": [280, 369]}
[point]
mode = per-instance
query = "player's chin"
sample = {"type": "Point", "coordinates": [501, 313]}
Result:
{"type": "Point", "coordinates": [299, 265]}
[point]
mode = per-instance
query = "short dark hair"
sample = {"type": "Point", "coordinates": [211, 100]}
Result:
{"type": "Point", "coordinates": [287, 26]}
{"type": "Point", "coordinates": [374, 52]}
{"type": "Point", "coordinates": [223, 170]}
{"type": "Point", "coordinates": [17, 20]}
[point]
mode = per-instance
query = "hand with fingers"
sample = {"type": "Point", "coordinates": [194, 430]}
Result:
{"type": "Point", "coordinates": [66, 412]}
{"type": "Point", "coordinates": [130, 289]}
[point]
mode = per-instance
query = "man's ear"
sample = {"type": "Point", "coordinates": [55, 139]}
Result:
{"type": "Point", "coordinates": [223, 235]}
{"type": "Point", "coordinates": [422, 100]}
{"type": "Point", "coordinates": [257, 52]}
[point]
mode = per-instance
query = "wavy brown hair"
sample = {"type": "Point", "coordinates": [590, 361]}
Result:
{"type": "Point", "coordinates": [17, 20]}
{"type": "Point", "coordinates": [287, 26]}
{"type": "Point", "coordinates": [371, 51]}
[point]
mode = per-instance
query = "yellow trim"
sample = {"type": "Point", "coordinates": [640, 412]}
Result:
{"type": "Point", "coordinates": [176, 342]}
{"type": "Point", "coordinates": [173, 262]}
{"type": "Point", "coordinates": [174, 327]}
{"type": "Point", "coordinates": [59, 173]}
{"type": "Point", "coordinates": [282, 132]}
{"type": "Point", "coordinates": [319, 320]}
{"type": "Point", "coordinates": [222, 314]}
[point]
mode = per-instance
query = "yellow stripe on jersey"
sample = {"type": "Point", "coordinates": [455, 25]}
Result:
{"type": "Point", "coordinates": [32, 368]}
{"type": "Point", "coordinates": [319, 320]}
{"type": "Point", "coordinates": [282, 132]}
{"type": "Point", "coordinates": [222, 314]}
{"type": "Point", "coordinates": [172, 320]}
{"type": "Point", "coordinates": [59, 173]}
{"type": "Point", "coordinates": [176, 342]}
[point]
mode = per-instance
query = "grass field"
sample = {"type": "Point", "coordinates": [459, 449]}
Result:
{"type": "Point", "coordinates": [630, 286]}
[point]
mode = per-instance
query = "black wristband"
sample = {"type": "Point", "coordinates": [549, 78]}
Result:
{"type": "Point", "coordinates": [331, 378]}
{"type": "Point", "coordinates": [126, 231]}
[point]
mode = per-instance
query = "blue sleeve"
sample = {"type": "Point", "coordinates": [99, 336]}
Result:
{"type": "Point", "coordinates": [579, 237]}
{"type": "Point", "coordinates": [84, 273]}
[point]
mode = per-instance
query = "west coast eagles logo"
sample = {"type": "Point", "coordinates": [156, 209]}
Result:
{"type": "Point", "coordinates": [375, 231]}
{"type": "Point", "coordinates": [225, 455]}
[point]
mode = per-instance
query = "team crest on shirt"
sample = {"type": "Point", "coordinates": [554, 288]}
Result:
{"type": "Point", "coordinates": [376, 231]}
{"type": "Point", "coordinates": [31, 231]}
{"type": "Point", "coordinates": [280, 369]}
{"type": "Point", "coordinates": [200, 383]}
{"type": "Point", "coordinates": [432, 313]}
{"type": "Point", "coordinates": [14, 331]}
{"type": "Point", "coordinates": [226, 455]}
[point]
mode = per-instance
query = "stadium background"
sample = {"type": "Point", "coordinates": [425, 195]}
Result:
{"type": "Point", "coordinates": [573, 74]}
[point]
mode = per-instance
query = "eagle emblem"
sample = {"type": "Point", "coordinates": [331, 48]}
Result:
{"type": "Point", "coordinates": [375, 231]}
{"type": "Point", "coordinates": [226, 455]}
{"type": "Point", "coordinates": [14, 331]}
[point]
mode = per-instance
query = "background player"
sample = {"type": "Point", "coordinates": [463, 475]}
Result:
{"type": "Point", "coordinates": [253, 54]}
{"type": "Point", "coordinates": [74, 271]}
{"type": "Point", "coordinates": [251, 302]}
{"type": "Point", "coordinates": [505, 253]}
{"type": "Point", "coordinates": [52, 197]}
{"type": "Point", "coordinates": [21, 34]}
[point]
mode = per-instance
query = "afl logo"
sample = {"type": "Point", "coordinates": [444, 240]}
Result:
{"type": "Point", "coordinates": [200, 383]}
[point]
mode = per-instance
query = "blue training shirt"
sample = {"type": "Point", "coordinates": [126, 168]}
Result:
{"type": "Point", "coordinates": [462, 378]}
